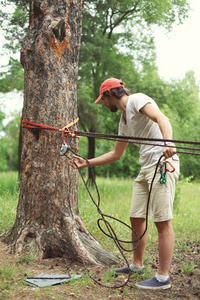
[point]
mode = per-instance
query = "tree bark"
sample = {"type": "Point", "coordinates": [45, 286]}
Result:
{"type": "Point", "coordinates": [47, 221]}
{"type": "Point", "coordinates": [91, 154]}
{"type": "Point", "coordinates": [10, 162]}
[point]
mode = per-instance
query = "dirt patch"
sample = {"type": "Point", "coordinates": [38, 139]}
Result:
{"type": "Point", "coordinates": [184, 273]}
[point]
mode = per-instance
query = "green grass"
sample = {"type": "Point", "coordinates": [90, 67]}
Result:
{"type": "Point", "coordinates": [115, 199]}
{"type": "Point", "coordinates": [9, 194]}
{"type": "Point", "coordinates": [8, 182]}
{"type": "Point", "coordinates": [186, 218]}
{"type": "Point", "coordinates": [188, 268]}
{"type": "Point", "coordinates": [115, 196]}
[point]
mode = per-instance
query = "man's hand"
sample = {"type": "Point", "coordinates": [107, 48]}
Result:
{"type": "Point", "coordinates": [80, 162]}
{"type": "Point", "coordinates": [169, 150]}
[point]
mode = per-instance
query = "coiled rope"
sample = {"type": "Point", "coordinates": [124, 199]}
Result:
{"type": "Point", "coordinates": [110, 229]}
{"type": "Point", "coordinates": [137, 140]}
{"type": "Point", "coordinates": [112, 234]}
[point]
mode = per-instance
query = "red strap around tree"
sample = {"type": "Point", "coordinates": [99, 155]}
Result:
{"type": "Point", "coordinates": [33, 125]}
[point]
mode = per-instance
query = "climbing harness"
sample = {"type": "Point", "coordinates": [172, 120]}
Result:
{"type": "Point", "coordinates": [65, 149]}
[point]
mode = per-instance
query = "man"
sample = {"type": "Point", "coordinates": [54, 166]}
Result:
{"type": "Point", "coordinates": [141, 117]}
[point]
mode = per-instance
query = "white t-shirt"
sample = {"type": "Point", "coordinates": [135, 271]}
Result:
{"type": "Point", "coordinates": [139, 125]}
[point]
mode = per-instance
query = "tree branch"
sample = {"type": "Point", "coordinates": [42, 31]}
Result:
{"type": "Point", "coordinates": [123, 17]}
{"type": "Point", "coordinates": [106, 25]}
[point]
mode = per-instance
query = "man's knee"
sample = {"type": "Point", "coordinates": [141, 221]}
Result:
{"type": "Point", "coordinates": [137, 221]}
{"type": "Point", "coordinates": [165, 226]}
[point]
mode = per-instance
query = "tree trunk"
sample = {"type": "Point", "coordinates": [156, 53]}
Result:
{"type": "Point", "coordinates": [47, 221]}
{"type": "Point", "coordinates": [10, 162]}
{"type": "Point", "coordinates": [91, 154]}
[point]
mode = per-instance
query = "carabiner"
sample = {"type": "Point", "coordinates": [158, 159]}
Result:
{"type": "Point", "coordinates": [168, 170]}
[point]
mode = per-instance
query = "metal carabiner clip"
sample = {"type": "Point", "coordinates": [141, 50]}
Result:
{"type": "Point", "coordinates": [64, 148]}
{"type": "Point", "coordinates": [168, 170]}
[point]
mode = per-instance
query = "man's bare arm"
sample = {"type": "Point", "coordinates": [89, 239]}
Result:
{"type": "Point", "coordinates": [104, 159]}
{"type": "Point", "coordinates": [165, 127]}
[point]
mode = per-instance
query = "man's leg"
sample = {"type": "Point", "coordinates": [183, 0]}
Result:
{"type": "Point", "coordinates": [166, 245]}
{"type": "Point", "coordinates": [138, 225]}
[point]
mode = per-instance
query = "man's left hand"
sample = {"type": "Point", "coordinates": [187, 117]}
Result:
{"type": "Point", "coordinates": [169, 150]}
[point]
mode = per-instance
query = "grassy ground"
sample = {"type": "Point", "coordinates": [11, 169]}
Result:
{"type": "Point", "coordinates": [9, 195]}
{"type": "Point", "coordinates": [115, 201]}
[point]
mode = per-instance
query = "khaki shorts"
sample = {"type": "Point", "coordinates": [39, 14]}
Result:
{"type": "Point", "coordinates": [162, 195]}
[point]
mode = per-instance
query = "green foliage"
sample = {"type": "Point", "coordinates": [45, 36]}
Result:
{"type": "Point", "coordinates": [116, 37]}
{"type": "Point", "coordinates": [9, 144]}
{"type": "Point", "coordinates": [125, 52]}
{"type": "Point", "coordinates": [14, 20]}
{"type": "Point", "coordinates": [13, 78]}
{"type": "Point", "coordinates": [2, 117]}
{"type": "Point", "coordinates": [183, 109]}
{"type": "Point", "coordinates": [164, 13]}
{"type": "Point", "coordinates": [3, 161]}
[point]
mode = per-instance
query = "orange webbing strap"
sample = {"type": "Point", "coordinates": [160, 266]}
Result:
{"type": "Point", "coordinates": [33, 125]}
{"type": "Point", "coordinates": [70, 124]}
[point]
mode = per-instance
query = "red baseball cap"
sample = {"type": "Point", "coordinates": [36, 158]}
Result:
{"type": "Point", "coordinates": [108, 84]}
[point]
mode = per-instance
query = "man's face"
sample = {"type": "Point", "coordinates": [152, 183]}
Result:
{"type": "Point", "coordinates": [109, 105]}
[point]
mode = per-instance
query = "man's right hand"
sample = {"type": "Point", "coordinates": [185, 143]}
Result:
{"type": "Point", "coordinates": [80, 162]}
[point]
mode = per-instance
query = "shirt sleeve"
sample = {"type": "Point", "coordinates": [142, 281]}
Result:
{"type": "Point", "coordinates": [140, 100]}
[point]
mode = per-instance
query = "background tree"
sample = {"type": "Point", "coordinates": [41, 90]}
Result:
{"type": "Point", "coordinates": [117, 35]}
{"type": "Point", "coordinates": [13, 78]}
{"type": "Point", "coordinates": [47, 221]}
{"type": "Point", "coordinates": [183, 107]}
{"type": "Point", "coordinates": [3, 160]}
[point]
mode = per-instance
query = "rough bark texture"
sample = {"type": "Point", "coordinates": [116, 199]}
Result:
{"type": "Point", "coordinates": [47, 221]}
{"type": "Point", "coordinates": [91, 154]}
